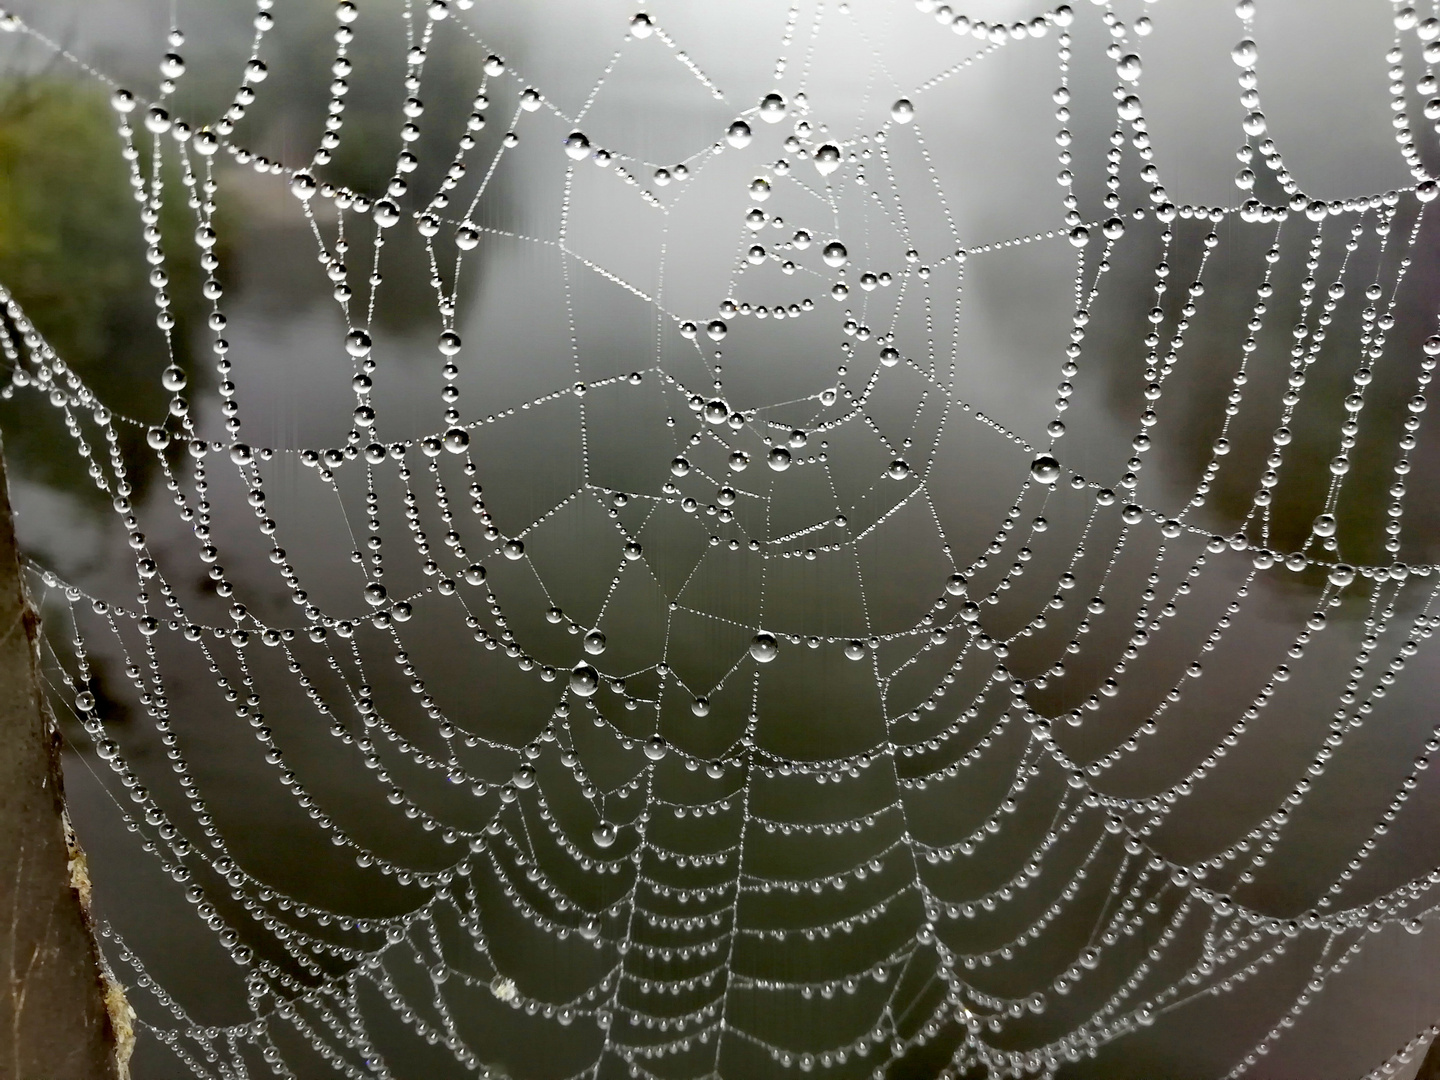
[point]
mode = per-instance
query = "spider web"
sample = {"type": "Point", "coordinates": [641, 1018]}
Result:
{"type": "Point", "coordinates": [759, 700]}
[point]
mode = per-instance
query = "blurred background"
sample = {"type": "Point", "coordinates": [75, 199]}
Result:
{"type": "Point", "coordinates": [585, 275]}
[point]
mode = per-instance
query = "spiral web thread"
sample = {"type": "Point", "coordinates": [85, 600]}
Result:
{"type": "Point", "coordinates": [663, 921]}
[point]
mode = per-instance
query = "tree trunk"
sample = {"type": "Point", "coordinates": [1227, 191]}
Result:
{"type": "Point", "coordinates": [62, 1017]}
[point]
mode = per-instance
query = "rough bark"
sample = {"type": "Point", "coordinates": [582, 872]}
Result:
{"type": "Point", "coordinates": [61, 1016]}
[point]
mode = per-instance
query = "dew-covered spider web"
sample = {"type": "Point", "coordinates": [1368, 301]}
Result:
{"type": "Point", "coordinates": [738, 570]}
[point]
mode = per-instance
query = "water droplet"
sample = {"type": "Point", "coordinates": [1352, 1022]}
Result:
{"type": "Point", "coordinates": [739, 461]}
{"type": "Point", "coordinates": [1128, 68]}
{"type": "Point", "coordinates": [85, 701]}
{"type": "Point", "coordinates": [524, 777]}
{"type": "Point", "coordinates": [827, 159]}
{"type": "Point", "coordinates": [386, 213]}
{"type": "Point", "coordinates": [1244, 53]}
{"type": "Point", "coordinates": [1324, 525]}
{"type": "Point", "coordinates": [716, 329]}
{"type": "Point", "coordinates": [449, 343]}
{"type": "Point", "coordinates": [778, 458]}
{"type": "Point", "coordinates": [467, 238]}
{"type": "Point", "coordinates": [835, 254]}
{"type": "Point", "coordinates": [514, 549]}
{"type": "Point", "coordinates": [855, 650]}
{"type": "Point", "coordinates": [605, 834]}
{"type": "Point", "coordinates": [1079, 236]}
{"type": "Point", "coordinates": [375, 594]}
{"type": "Point", "coordinates": [956, 585]}
{"type": "Point", "coordinates": [641, 27]}
{"type": "Point", "coordinates": [700, 706]}
{"type": "Point", "coordinates": [899, 469]}
{"type": "Point", "coordinates": [764, 647]}
{"type": "Point", "coordinates": [303, 186]}
{"type": "Point", "coordinates": [903, 111]}
{"type": "Point", "coordinates": [1045, 469]}
{"type": "Point", "coordinates": [680, 467]}
{"type": "Point", "coordinates": [717, 412]}
{"type": "Point", "coordinates": [173, 378]}
{"type": "Point", "coordinates": [357, 343]}
{"type": "Point", "coordinates": [738, 134]}
{"type": "Point", "coordinates": [577, 146]}
{"type": "Point", "coordinates": [474, 574]}
{"type": "Point", "coordinates": [655, 748]}
{"type": "Point", "coordinates": [456, 440]}
{"type": "Point", "coordinates": [773, 108]}
{"type": "Point", "coordinates": [584, 680]}
{"type": "Point", "coordinates": [157, 438]}
{"type": "Point", "coordinates": [594, 643]}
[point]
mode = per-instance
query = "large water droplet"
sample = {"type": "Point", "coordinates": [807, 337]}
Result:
{"type": "Point", "coordinates": [357, 343]}
{"type": "Point", "coordinates": [577, 146]}
{"type": "Point", "coordinates": [827, 159]}
{"type": "Point", "coordinates": [738, 134]}
{"type": "Point", "coordinates": [903, 111]}
{"type": "Point", "coordinates": [584, 680]}
{"type": "Point", "coordinates": [773, 108]}
{"type": "Point", "coordinates": [764, 647]}
{"type": "Point", "coordinates": [899, 469]}
{"type": "Point", "coordinates": [1244, 53]}
{"type": "Point", "coordinates": [778, 458]}
{"type": "Point", "coordinates": [594, 643]}
{"type": "Point", "coordinates": [1045, 469]}
{"type": "Point", "coordinates": [835, 254]}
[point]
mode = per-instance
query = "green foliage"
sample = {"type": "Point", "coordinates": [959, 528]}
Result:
{"type": "Point", "coordinates": [72, 255]}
